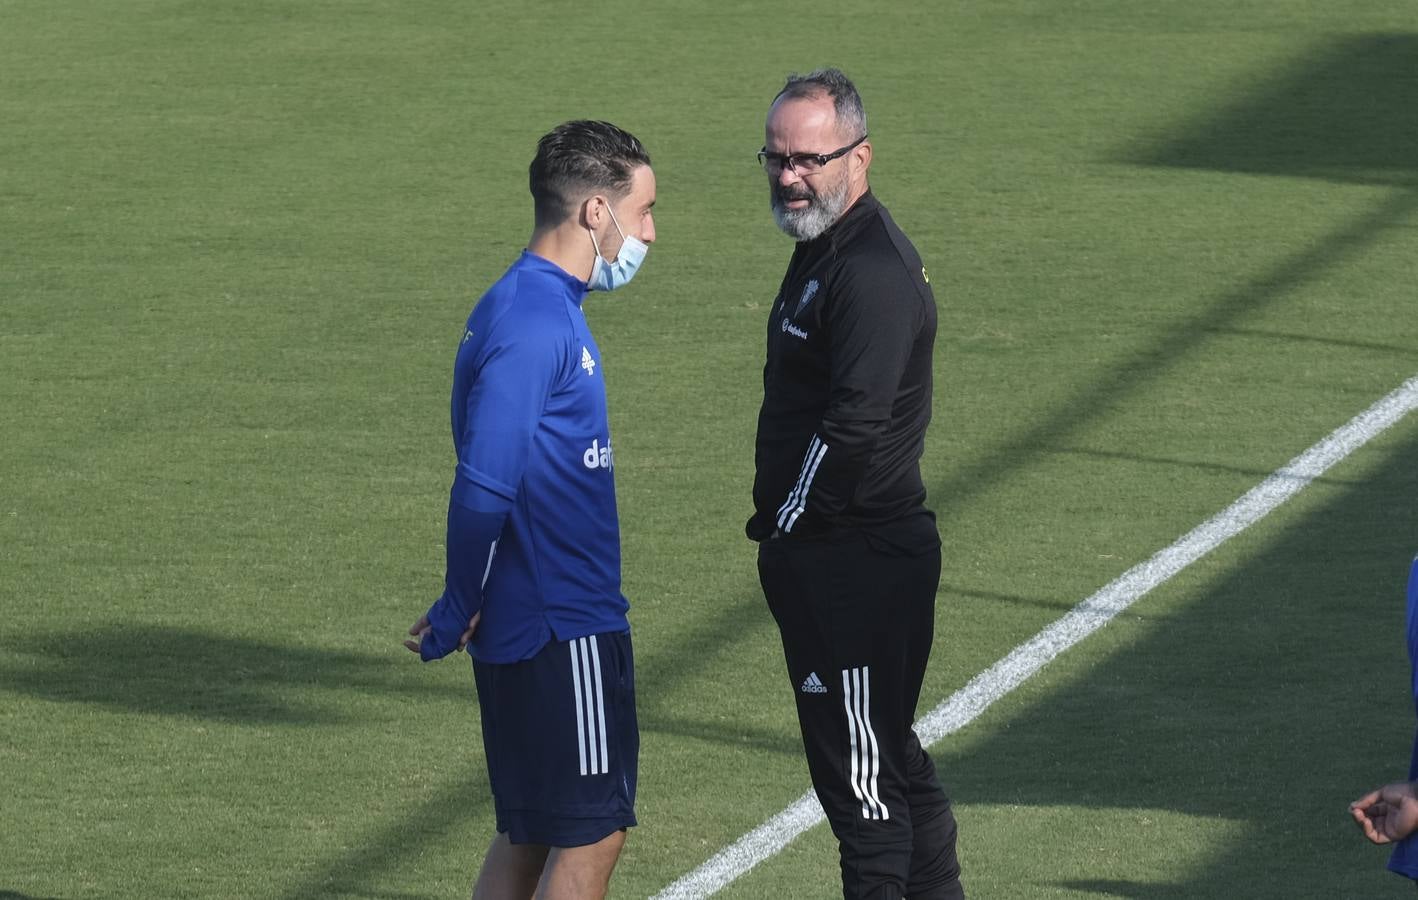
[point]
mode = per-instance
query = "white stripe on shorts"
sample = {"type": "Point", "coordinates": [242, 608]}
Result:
{"type": "Point", "coordinates": [600, 704]}
{"type": "Point", "coordinates": [580, 719]}
{"type": "Point", "coordinates": [590, 706]}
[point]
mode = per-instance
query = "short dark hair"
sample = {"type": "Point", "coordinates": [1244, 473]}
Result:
{"type": "Point", "coordinates": [581, 157]}
{"type": "Point", "coordinates": [846, 102]}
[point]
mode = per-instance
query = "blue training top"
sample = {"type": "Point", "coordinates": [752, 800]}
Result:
{"type": "Point", "coordinates": [1404, 859]}
{"type": "Point", "coordinates": [533, 538]}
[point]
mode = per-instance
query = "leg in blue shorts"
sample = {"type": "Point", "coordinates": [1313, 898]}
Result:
{"type": "Point", "coordinates": [562, 745]}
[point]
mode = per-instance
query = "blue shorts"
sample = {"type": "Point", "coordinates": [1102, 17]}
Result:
{"type": "Point", "coordinates": [561, 740]}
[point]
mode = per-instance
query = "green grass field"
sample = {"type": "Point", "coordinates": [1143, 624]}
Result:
{"type": "Point", "coordinates": [1174, 245]}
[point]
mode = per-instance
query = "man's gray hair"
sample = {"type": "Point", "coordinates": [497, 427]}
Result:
{"type": "Point", "coordinates": [851, 117]}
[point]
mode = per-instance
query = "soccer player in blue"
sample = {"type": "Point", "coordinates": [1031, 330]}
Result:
{"type": "Point", "coordinates": [532, 588]}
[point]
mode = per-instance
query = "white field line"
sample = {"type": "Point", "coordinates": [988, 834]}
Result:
{"type": "Point", "coordinates": [984, 689]}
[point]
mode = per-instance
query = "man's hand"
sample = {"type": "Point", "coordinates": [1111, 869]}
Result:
{"type": "Point", "coordinates": [1388, 814]}
{"type": "Point", "coordinates": [421, 628]}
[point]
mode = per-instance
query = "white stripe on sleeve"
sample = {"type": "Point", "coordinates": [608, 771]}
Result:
{"type": "Point", "coordinates": [491, 552]}
{"type": "Point", "coordinates": [796, 504]}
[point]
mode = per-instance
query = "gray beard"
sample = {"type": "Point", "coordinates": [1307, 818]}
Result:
{"type": "Point", "coordinates": [821, 213]}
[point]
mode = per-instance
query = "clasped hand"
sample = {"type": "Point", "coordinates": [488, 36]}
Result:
{"type": "Point", "coordinates": [421, 628]}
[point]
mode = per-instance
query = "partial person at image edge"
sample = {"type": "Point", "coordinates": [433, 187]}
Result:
{"type": "Point", "coordinates": [1389, 815]}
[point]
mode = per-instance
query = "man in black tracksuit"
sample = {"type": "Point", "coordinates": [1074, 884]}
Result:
{"type": "Point", "coordinates": [849, 556]}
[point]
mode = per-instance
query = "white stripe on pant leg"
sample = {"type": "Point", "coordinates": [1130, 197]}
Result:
{"type": "Point", "coordinates": [875, 767]}
{"type": "Point", "coordinates": [859, 744]}
{"type": "Point", "coordinates": [600, 703]}
{"type": "Point", "coordinates": [866, 757]}
{"type": "Point", "coordinates": [858, 715]}
{"type": "Point", "coordinates": [590, 709]}
{"type": "Point", "coordinates": [580, 721]}
{"type": "Point", "coordinates": [852, 733]}
{"type": "Point", "coordinates": [802, 474]}
{"type": "Point", "coordinates": [861, 759]}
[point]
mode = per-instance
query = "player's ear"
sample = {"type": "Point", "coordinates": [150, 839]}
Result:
{"type": "Point", "coordinates": [593, 210]}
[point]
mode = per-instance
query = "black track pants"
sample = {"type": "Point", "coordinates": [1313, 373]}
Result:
{"type": "Point", "coordinates": [857, 620]}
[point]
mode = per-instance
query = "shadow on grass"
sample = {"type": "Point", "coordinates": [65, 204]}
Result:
{"type": "Point", "coordinates": [1174, 463]}
{"type": "Point", "coordinates": [692, 656]}
{"type": "Point", "coordinates": [1151, 363]}
{"type": "Point", "coordinates": [1408, 352]}
{"type": "Point", "coordinates": [729, 733]}
{"type": "Point", "coordinates": [1057, 604]}
{"type": "Point", "coordinates": [16, 895]}
{"type": "Point", "coordinates": [1273, 699]}
{"type": "Point", "coordinates": [1257, 704]}
{"type": "Point", "coordinates": [383, 849]}
{"type": "Point", "coordinates": [1346, 113]}
{"type": "Point", "coordinates": [181, 672]}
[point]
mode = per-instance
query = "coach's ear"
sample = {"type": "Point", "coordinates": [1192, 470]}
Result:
{"type": "Point", "coordinates": [862, 155]}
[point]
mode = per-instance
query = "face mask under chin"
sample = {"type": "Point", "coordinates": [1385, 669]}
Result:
{"type": "Point", "coordinates": [607, 276]}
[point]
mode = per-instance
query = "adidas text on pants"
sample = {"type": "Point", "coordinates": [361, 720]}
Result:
{"type": "Point", "coordinates": [856, 620]}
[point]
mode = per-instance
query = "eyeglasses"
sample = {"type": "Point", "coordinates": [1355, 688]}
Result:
{"type": "Point", "coordinates": [801, 163]}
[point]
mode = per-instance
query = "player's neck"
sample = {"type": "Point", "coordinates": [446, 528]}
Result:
{"type": "Point", "coordinates": [566, 245]}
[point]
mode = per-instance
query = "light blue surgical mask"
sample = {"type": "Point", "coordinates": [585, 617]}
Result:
{"type": "Point", "coordinates": [607, 276]}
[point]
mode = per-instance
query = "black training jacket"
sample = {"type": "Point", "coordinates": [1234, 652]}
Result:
{"type": "Point", "coordinates": [847, 383]}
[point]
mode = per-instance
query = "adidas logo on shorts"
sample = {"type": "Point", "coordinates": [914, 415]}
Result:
{"type": "Point", "coordinates": [813, 685]}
